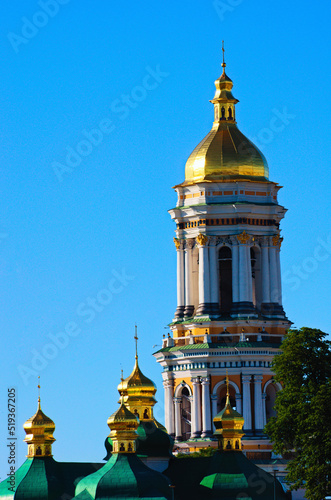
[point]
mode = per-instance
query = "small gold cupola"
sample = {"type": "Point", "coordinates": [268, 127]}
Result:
{"type": "Point", "coordinates": [224, 102]}
{"type": "Point", "coordinates": [229, 424]}
{"type": "Point", "coordinates": [138, 390]}
{"type": "Point", "coordinates": [123, 426]}
{"type": "Point", "coordinates": [39, 434]}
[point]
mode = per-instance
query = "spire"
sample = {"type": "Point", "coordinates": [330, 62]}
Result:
{"type": "Point", "coordinates": [223, 63]}
{"type": "Point", "coordinates": [39, 432]}
{"type": "Point", "coordinates": [136, 340]}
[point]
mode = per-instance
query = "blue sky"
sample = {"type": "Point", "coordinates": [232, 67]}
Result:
{"type": "Point", "coordinates": [139, 79]}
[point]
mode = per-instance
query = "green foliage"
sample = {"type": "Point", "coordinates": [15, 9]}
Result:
{"type": "Point", "coordinates": [203, 452]}
{"type": "Point", "coordinates": [302, 427]}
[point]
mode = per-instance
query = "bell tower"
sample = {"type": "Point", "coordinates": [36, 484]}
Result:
{"type": "Point", "coordinates": [229, 312]}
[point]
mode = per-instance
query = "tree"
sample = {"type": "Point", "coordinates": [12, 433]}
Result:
{"type": "Point", "coordinates": [302, 426]}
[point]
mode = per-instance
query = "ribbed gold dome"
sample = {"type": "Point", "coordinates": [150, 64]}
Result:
{"type": "Point", "coordinates": [137, 383]}
{"type": "Point", "coordinates": [225, 153]}
{"type": "Point", "coordinates": [39, 434]}
{"type": "Point", "coordinates": [123, 426]}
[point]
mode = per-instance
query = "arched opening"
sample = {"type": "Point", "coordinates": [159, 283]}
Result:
{"type": "Point", "coordinates": [256, 277]}
{"type": "Point", "coordinates": [186, 414]}
{"type": "Point", "coordinates": [223, 113]}
{"type": "Point", "coordinates": [225, 279]}
{"type": "Point", "coordinates": [221, 397]}
{"type": "Point", "coordinates": [271, 392]}
{"type": "Point", "coordinates": [230, 114]}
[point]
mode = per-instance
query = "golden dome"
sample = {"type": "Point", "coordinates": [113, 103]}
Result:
{"type": "Point", "coordinates": [225, 153]}
{"type": "Point", "coordinates": [39, 434]}
{"type": "Point", "coordinates": [123, 426]}
{"type": "Point", "coordinates": [137, 383]}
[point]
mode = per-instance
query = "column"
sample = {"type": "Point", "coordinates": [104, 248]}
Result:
{"type": "Point", "coordinates": [195, 409]}
{"type": "Point", "coordinates": [273, 269]}
{"type": "Point", "coordinates": [279, 279]}
{"type": "Point", "coordinates": [206, 416]}
{"type": "Point", "coordinates": [239, 403]}
{"type": "Point", "coordinates": [264, 409]}
{"type": "Point", "coordinates": [204, 275]}
{"type": "Point", "coordinates": [243, 274]}
{"type": "Point", "coordinates": [247, 411]}
{"type": "Point", "coordinates": [189, 308]}
{"type": "Point", "coordinates": [214, 277]}
{"type": "Point", "coordinates": [235, 272]}
{"type": "Point", "coordinates": [249, 275]}
{"type": "Point", "coordinates": [169, 407]}
{"type": "Point", "coordinates": [214, 407]}
{"type": "Point", "coordinates": [178, 420]}
{"type": "Point", "coordinates": [258, 408]}
{"type": "Point", "coordinates": [265, 273]}
{"type": "Point", "coordinates": [180, 280]}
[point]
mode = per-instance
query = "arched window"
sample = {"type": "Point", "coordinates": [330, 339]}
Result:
{"type": "Point", "coordinates": [270, 401]}
{"type": "Point", "coordinates": [186, 414]}
{"type": "Point", "coordinates": [223, 113]}
{"type": "Point", "coordinates": [256, 277]}
{"type": "Point", "coordinates": [230, 113]}
{"type": "Point", "coordinates": [225, 279]}
{"type": "Point", "coordinates": [221, 397]}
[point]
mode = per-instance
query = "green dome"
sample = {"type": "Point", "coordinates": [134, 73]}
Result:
{"type": "Point", "coordinates": [230, 476]}
{"type": "Point", "coordinates": [124, 476]}
{"type": "Point", "coordinates": [36, 479]}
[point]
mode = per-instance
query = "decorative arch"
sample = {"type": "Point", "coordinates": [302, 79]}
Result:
{"type": "Point", "coordinates": [272, 381]}
{"type": "Point", "coordinates": [222, 382]}
{"type": "Point", "coordinates": [180, 387]}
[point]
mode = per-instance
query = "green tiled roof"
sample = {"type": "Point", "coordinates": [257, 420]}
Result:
{"type": "Point", "coordinates": [221, 345]}
{"type": "Point", "coordinates": [225, 475]}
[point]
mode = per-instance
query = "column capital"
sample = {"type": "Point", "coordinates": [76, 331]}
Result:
{"type": "Point", "coordinates": [246, 379]}
{"type": "Point", "coordinates": [179, 244]}
{"type": "Point", "coordinates": [189, 243]}
{"type": "Point", "coordinates": [243, 238]}
{"type": "Point", "coordinates": [213, 397]}
{"type": "Point", "coordinates": [168, 383]}
{"type": "Point", "coordinates": [205, 380]}
{"type": "Point", "coordinates": [238, 395]}
{"type": "Point", "coordinates": [177, 400]}
{"type": "Point", "coordinates": [258, 378]}
{"type": "Point", "coordinates": [202, 239]}
{"type": "Point", "coordinates": [264, 395]}
{"type": "Point", "coordinates": [195, 380]}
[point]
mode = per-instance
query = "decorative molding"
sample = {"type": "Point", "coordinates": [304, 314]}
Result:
{"type": "Point", "coordinates": [202, 239]}
{"type": "Point", "coordinates": [189, 243]}
{"type": "Point", "coordinates": [243, 238]}
{"type": "Point", "coordinates": [177, 243]}
{"type": "Point", "coordinates": [277, 240]}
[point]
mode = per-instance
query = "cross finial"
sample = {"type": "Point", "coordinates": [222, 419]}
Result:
{"type": "Point", "coordinates": [122, 379]}
{"type": "Point", "coordinates": [136, 339]}
{"type": "Point", "coordinates": [223, 63]}
{"type": "Point", "coordinates": [227, 383]}
{"type": "Point", "coordinates": [38, 391]}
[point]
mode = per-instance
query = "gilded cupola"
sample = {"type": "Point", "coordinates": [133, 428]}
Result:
{"type": "Point", "coordinates": [39, 434]}
{"type": "Point", "coordinates": [138, 391]}
{"type": "Point", "coordinates": [229, 424]}
{"type": "Point", "coordinates": [225, 153]}
{"type": "Point", "coordinates": [123, 426]}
